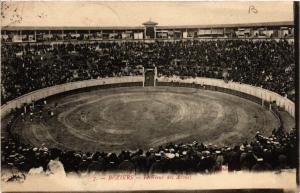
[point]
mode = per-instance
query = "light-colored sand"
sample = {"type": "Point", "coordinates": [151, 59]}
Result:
{"type": "Point", "coordinates": [131, 118]}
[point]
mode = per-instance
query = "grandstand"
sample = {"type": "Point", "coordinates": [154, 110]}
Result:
{"type": "Point", "coordinates": [149, 31]}
{"type": "Point", "coordinates": [206, 97]}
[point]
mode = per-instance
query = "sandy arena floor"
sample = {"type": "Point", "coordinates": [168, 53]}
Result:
{"type": "Point", "coordinates": [135, 117]}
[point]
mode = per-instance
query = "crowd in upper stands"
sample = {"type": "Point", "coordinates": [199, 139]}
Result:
{"type": "Point", "coordinates": [262, 153]}
{"type": "Point", "coordinates": [269, 64]}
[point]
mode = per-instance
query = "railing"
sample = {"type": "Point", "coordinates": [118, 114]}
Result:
{"type": "Point", "coordinates": [53, 90]}
{"type": "Point", "coordinates": [254, 93]}
{"type": "Point", "coordinates": [91, 41]}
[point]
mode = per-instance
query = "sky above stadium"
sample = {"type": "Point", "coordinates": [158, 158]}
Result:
{"type": "Point", "coordinates": [96, 13]}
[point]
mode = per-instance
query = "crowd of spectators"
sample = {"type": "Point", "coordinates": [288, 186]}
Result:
{"type": "Point", "coordinates": [263, 153]}
{"type": "Point", "coordinates": [269, 64]}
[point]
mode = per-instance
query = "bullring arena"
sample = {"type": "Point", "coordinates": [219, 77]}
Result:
{"type": "Point", "coordinates": [133, 118]}
{"type": "Point", "coordinates": [146, 101]}
{"type": "Point", "coordinates": [114, 118]}
{"type": "Point", "coordinates": [111, 100]}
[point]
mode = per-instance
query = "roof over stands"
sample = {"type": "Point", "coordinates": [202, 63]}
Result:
{"type": "Point", "coordinates": [71, 28]}
{"type": "Point", "coordinates": [264, 24]}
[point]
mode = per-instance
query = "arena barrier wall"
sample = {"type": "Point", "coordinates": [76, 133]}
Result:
{"type": "Point", "coordinates": [253, 93]}
{"type": "Point", "coordinates": [256, 94]}
{"type": "Point", "coordinates": [67, 87]}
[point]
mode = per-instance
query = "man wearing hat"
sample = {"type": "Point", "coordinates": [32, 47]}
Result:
{"type": "Point", "coordinates": [158, 166]}
{"type": "Point", "coordinates": [126, 165]}
{"type": "Point", "coordinates": [140, 162]}
{"type": "Point", "coordinates": [234, 159]}
{"type": "Point", "coordinates": [219, 161]}
{"type": "Point", "coordinates": [261, 165]}
{"type": "Point", "coordinates": [97, 164]}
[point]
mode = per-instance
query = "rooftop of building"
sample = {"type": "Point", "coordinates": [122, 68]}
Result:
{"type": "Point", "coordinates": [238, 25]}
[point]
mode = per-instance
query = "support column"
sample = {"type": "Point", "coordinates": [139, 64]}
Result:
{"type": "Point", "coordinates": [155, 76]}
{"type": "Point", "coordinates": [35, 36]}
{"type": "Point", "coordinates": [144, 77]}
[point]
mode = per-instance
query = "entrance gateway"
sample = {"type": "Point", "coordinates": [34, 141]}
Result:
{"type": "Point", "coordinates": [150, 75]}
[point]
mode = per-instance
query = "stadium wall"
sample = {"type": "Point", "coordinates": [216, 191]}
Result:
{"type": "Point", "coordinates": [62, 88]}
{"type": "Point", "coordinates": [258, 94]}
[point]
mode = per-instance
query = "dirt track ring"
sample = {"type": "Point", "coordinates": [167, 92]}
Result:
{"type": "Point", "coordinates": [131, 118]}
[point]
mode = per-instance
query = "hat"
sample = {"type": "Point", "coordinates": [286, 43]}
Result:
{"type": "Point", "coordinates": [170, 155]}
{"type": "Point", "coordinates": [35, 149]}
{"type": "Point", "coordinates": [13, 156]}
{"type": "Point", "coordinates": [206, 152]}
{"type": "Point", "coordinates": [259, 159]}
{"type": "Point", "coordinates": [242, 148]}
{"type": "Point", "coordinates": [89, 158]}
{"type": "Point", "coordinates": [157, 154]}
{"type": "Point", "coordinates": [184, 153]}
{"type": "Point", "coordinates": [77, 155]}
{"type": "Point", "coordinates": [218, 152]}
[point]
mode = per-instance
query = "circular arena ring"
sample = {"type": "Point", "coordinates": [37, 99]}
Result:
{"type": "Point", "coordinates": [114, 119]}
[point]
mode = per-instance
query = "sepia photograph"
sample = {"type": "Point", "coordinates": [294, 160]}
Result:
{"type": "Point", "coordinates": [120, 96]}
